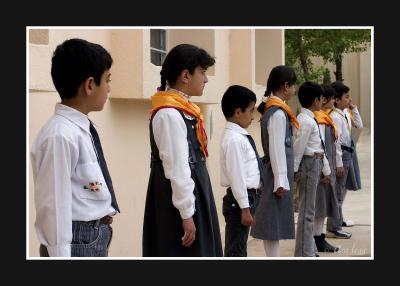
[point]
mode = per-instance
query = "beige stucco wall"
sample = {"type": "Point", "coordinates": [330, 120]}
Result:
{"type": "Point", "coordinates": [365, 103]}
{"type": "Point", "coordinates": [123, 124]}
{"type": "Point", "coordinates": [127, 70]}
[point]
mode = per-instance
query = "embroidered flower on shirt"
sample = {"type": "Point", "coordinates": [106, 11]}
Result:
{"type": "Point", "coordinates": [93, 186]}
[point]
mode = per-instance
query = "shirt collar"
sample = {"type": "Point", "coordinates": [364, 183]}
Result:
{"type": "Point", "coordinates": [341, 112]}
{"type": "Point", "coordinates": [236, 128]}
{"type": "Point", "coordinates": [275, 97]}
{"type": "Point", "coordinates": [184, 95]}
{"type": "Point", "coordinates": [73, 115]}
{"type": "Point", "coordinates": [308, 112]}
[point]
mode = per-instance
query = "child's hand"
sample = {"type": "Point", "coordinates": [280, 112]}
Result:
{"type": "Point", "coordinates": [280, 192]}
{"type": "Point", "coordinates": [247, 219]}
{"type": "Point", "coordinates": [339, 171]}
{"type": "Point", "coordinates": [190, 232]}
{"type": "Point", "coordinates": [325, 179]}
{"type": "Point", "coordinates": [351, 104]}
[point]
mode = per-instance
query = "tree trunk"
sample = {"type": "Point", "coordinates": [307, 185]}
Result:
{"type": "Point", "coordinates": [302, 55]}
{"type": "Point", "coordinates": [338, 73]}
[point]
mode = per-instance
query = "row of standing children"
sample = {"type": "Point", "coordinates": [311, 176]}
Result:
{"type": "Point", "coordinates": [74, 196]}
{"type": "Point", "coordinates": [308, 150]}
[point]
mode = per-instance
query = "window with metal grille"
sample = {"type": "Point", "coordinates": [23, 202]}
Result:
{"type": "Point", "coordinates": [158, 46]}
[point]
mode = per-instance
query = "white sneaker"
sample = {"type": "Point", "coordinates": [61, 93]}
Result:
{"type": "Point", "coordinates": [348, 223]}
{"type": "Point", "coordinates": [338, 234]}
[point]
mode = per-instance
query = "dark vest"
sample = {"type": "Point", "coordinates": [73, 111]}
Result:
{"type": "Point", "coordinates": [162, 228]}
{"type": "Point", "coordinates": [274, 218]}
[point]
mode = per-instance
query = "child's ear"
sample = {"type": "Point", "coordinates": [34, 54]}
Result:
{"type": "Point", "coordinates": [88, 85]}
{"type": "Point", "coordinates": [287, 86]}
{"type": "Point", "coordinates": [185, 76]}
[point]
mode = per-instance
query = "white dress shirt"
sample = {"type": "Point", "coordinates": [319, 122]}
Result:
{"type": "Point", "coordinates": [277, 133]}
{"type": "Point", "coordinates": [170, 135]}
{"type": "Point", "coordinates": [64, 163]}
{"type": "Point", "coordinates": [308, 141]}
{"type": "Point", "coordinates": [238, 162]}
{"type": "Point", "coordinates": [344, 129]}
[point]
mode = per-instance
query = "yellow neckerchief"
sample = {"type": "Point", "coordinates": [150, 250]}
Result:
{"type": "Point", "coordinates": [323, 117]}
{"type": "Point", "coordinates": [171, 99]}
{"type": "Point", "coordinates": [278, 102]}
{"type": "Point", "coordinates": [343, 118]}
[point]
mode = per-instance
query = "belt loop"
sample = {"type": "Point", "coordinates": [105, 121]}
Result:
{"type": "Point", "coordinates": [96, 224]}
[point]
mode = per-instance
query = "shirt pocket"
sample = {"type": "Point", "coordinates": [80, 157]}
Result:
{"type": "Point", "coordinates": [91, 182]}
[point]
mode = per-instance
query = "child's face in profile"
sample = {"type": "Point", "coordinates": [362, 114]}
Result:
{"type": "Point", "coordinates": [101, 91]}
{"type": "Point", "coordinates": [197, 81]}
{"type": "Point", "coordinates": [343, 102]}
{"type": "Point", "coordinates": [318, 103]}
{"type": "Point", "coordinates": [327, 103]}
{"type": "Point", "coordinates": [290, 91]}
{"type": "Point", "coordinates": [244, 118]}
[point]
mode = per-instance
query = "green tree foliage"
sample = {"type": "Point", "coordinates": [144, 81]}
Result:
{"type": "Point", "coordinates": [329, 44]}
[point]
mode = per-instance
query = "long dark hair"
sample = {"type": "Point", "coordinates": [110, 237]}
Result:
{"type": "Point", "coordinates": [181, 57]}
{"type": "Point", "coordinates": [278, 76]}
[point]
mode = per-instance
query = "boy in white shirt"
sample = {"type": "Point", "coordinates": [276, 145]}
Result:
{"type": "Point", "coordinates": [309, 161]}
{"type": "Point", "coordinates": [240, 169]}
{"type": "Point", "coordinates": [74, 196]}
{"type": "Point", "coordinates": [326, 203]}
{"type": "Point", "coordinates": [344, 152]}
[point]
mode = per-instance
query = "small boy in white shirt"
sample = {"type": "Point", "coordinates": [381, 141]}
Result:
{"type": "Point", "coordinates": [344, 152]}
{"type": "Point", "coordinates": [309, 161]}
{"type": "Point", "coordinates": [240, 169]}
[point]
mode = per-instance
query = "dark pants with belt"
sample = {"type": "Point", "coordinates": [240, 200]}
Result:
{"type": "Point", "coordinates": [89, 239]}
{"type": "Point", "coordinates": [236, 234]}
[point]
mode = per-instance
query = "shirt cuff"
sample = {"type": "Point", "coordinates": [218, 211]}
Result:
{"type": "Point", "coordinates": [187, 213]}
{"type": "Point", "coordinates": [61, 250]}
{"type": "Point", "coordinates": [243, 203]}
{"type": "Point", "coordinates": [326, 171]}
{"type": "Point", "coordinates": [281, 181]}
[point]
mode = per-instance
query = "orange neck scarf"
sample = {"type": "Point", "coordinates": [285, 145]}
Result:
{"type": "Point", "coordinates": [171, 99]}
{"type": "Point", "coordinates": [323, 117]}
{"type": "Point", "coordinates": [276, 102]}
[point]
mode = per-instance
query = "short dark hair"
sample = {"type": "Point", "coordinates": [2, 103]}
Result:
{"type": "Point", "coordinates": [328, 91]}
{"type": "Point", "coordinates": [74, 61]}
{"type": "Point", "coordinates": [180, 58]}
{"type": "Point", "coordinates": [308, 92]}
{"type": "Point", "coordinates": [236, 96]}
{"type": "Point", "coordinates": [340, 89]}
